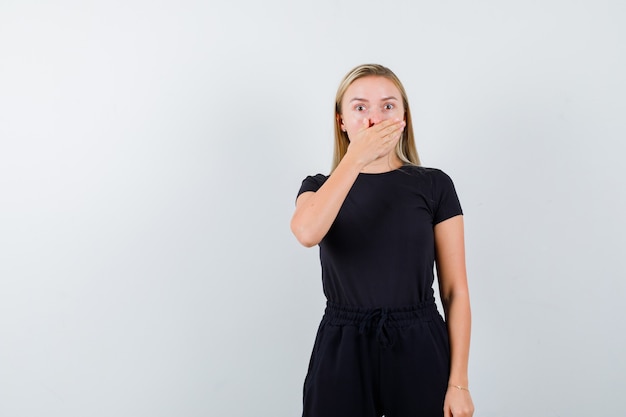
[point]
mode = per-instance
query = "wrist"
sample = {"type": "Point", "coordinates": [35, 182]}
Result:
{"type": "Point", "coordinates": [352, 163]}
{"type": "Point", "coordinates": [458, 377]}
{"type": "Point", "coordinates": [459, 387]}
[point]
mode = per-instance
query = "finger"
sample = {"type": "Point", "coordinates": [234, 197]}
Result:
{"type": "Point", "coordinates": [388, 129]}
{"type": "Point", "coordinates": [390, 133]}
{"type": "Point", "coordinates": [385, 125]}
{"type": "Point", "coordinates": [395, 127]}
{"type": "Point", "coordinates": [394, 136]}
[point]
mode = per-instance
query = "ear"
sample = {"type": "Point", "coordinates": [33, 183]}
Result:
{"type": "Point", "coordinates": [340, 121]}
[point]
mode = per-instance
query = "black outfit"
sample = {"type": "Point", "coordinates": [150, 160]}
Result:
{"type": "Point", "coordinates": [382, 346]}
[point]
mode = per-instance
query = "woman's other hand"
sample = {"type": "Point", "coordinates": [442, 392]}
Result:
{"type": "Point", "coordinates": [458, 403]}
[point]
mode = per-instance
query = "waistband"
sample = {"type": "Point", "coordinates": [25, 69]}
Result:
{"type": "Point", "coordinates": [384, 320]}
{"type": "Point", "coordinates": [398, 316]}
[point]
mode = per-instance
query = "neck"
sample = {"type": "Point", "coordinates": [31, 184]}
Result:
{"type": "Point", "coordinates": [385, 163]}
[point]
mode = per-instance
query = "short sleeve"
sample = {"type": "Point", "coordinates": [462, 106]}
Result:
{"type": "Point", "coordinates": [312, 183]}
{"type": "Point", "coordinates": [446, 200]}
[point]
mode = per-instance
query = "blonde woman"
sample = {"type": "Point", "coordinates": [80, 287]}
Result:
{"type": "Point", "coordinates": [383, 223]}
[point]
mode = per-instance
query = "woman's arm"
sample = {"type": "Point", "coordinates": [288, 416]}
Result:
{"type": "Point", "coordinates": [316, 211]}
{"type": "Point", "coordinates": [453, 288]}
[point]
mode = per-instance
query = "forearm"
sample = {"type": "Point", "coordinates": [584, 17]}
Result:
{"type": "Point", "coordinates": [312, 220]}
{"type": "Point", "coordinates": [458, 318]}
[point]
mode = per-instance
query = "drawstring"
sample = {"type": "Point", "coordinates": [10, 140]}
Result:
{"type": "Point", "coordinates": [385, 320]}
{"type": "Point", "coordinates": [383, 333]}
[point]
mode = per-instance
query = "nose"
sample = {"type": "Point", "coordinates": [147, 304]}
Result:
{"type": "Point", "coordinates": [376, 116]}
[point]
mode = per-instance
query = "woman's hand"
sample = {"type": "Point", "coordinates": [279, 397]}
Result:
{"type": "Point", "coordinates": [372, 142]}
{"type": "Point", "coordinates": [458, 403]}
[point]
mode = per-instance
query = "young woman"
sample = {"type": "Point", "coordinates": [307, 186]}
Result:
{"type": "Point", "coordinates": [382, 222]}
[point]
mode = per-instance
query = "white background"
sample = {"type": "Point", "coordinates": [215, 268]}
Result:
{"type": "Point", "coordinates": [150, 155]}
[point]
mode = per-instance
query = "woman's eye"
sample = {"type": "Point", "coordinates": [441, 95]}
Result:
{"type": "Point", "coordinates": [389, 106]}
{"type": "Point", "coordinates": [359, 108]}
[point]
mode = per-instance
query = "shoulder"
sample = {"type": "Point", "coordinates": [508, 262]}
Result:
{"type": "Point", "coordinates": [315, 180]}
{"type": "Point", "coordinates": [318, 178]}
{"type": "Point", "coordinates": [312, 183]}
{"type": "Point", "coordinates": [432, 174]}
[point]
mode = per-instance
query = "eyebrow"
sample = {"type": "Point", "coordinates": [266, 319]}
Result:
{"type": "Point", "coordinates": [383, 99]}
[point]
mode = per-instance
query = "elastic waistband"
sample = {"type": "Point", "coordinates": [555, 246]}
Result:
{"type": "Point", "coordinates": [384, 321]}
{"type": "Point", "coordinates": [395, 317]}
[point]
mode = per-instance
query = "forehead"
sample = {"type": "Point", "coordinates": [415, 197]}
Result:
{"type": "Point", "coordinates": [372, 88]}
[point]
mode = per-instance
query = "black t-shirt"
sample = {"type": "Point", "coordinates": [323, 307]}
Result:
{"type": "Point", "coordinates": [380, 250]}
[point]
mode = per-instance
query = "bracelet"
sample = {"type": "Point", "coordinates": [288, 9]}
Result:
{"type": "Point", "coordinates": [459, 387]}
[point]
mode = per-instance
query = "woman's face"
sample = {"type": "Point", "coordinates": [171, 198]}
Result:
{"type": "Point", "coordinates": [371, 98]}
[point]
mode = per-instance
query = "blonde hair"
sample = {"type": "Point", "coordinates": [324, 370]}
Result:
{"type": "Point", "coordinates": [405, 149]}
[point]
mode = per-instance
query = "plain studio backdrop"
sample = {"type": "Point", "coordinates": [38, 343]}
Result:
{"type": "Point", "coordinates": [150, 156]}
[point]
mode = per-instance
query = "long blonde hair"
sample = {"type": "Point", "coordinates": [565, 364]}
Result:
{"type": "Point", "coordinates": [405, 149]}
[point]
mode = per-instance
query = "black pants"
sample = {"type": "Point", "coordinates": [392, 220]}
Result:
{"type": "Point", "coordinates": [369, 363]}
